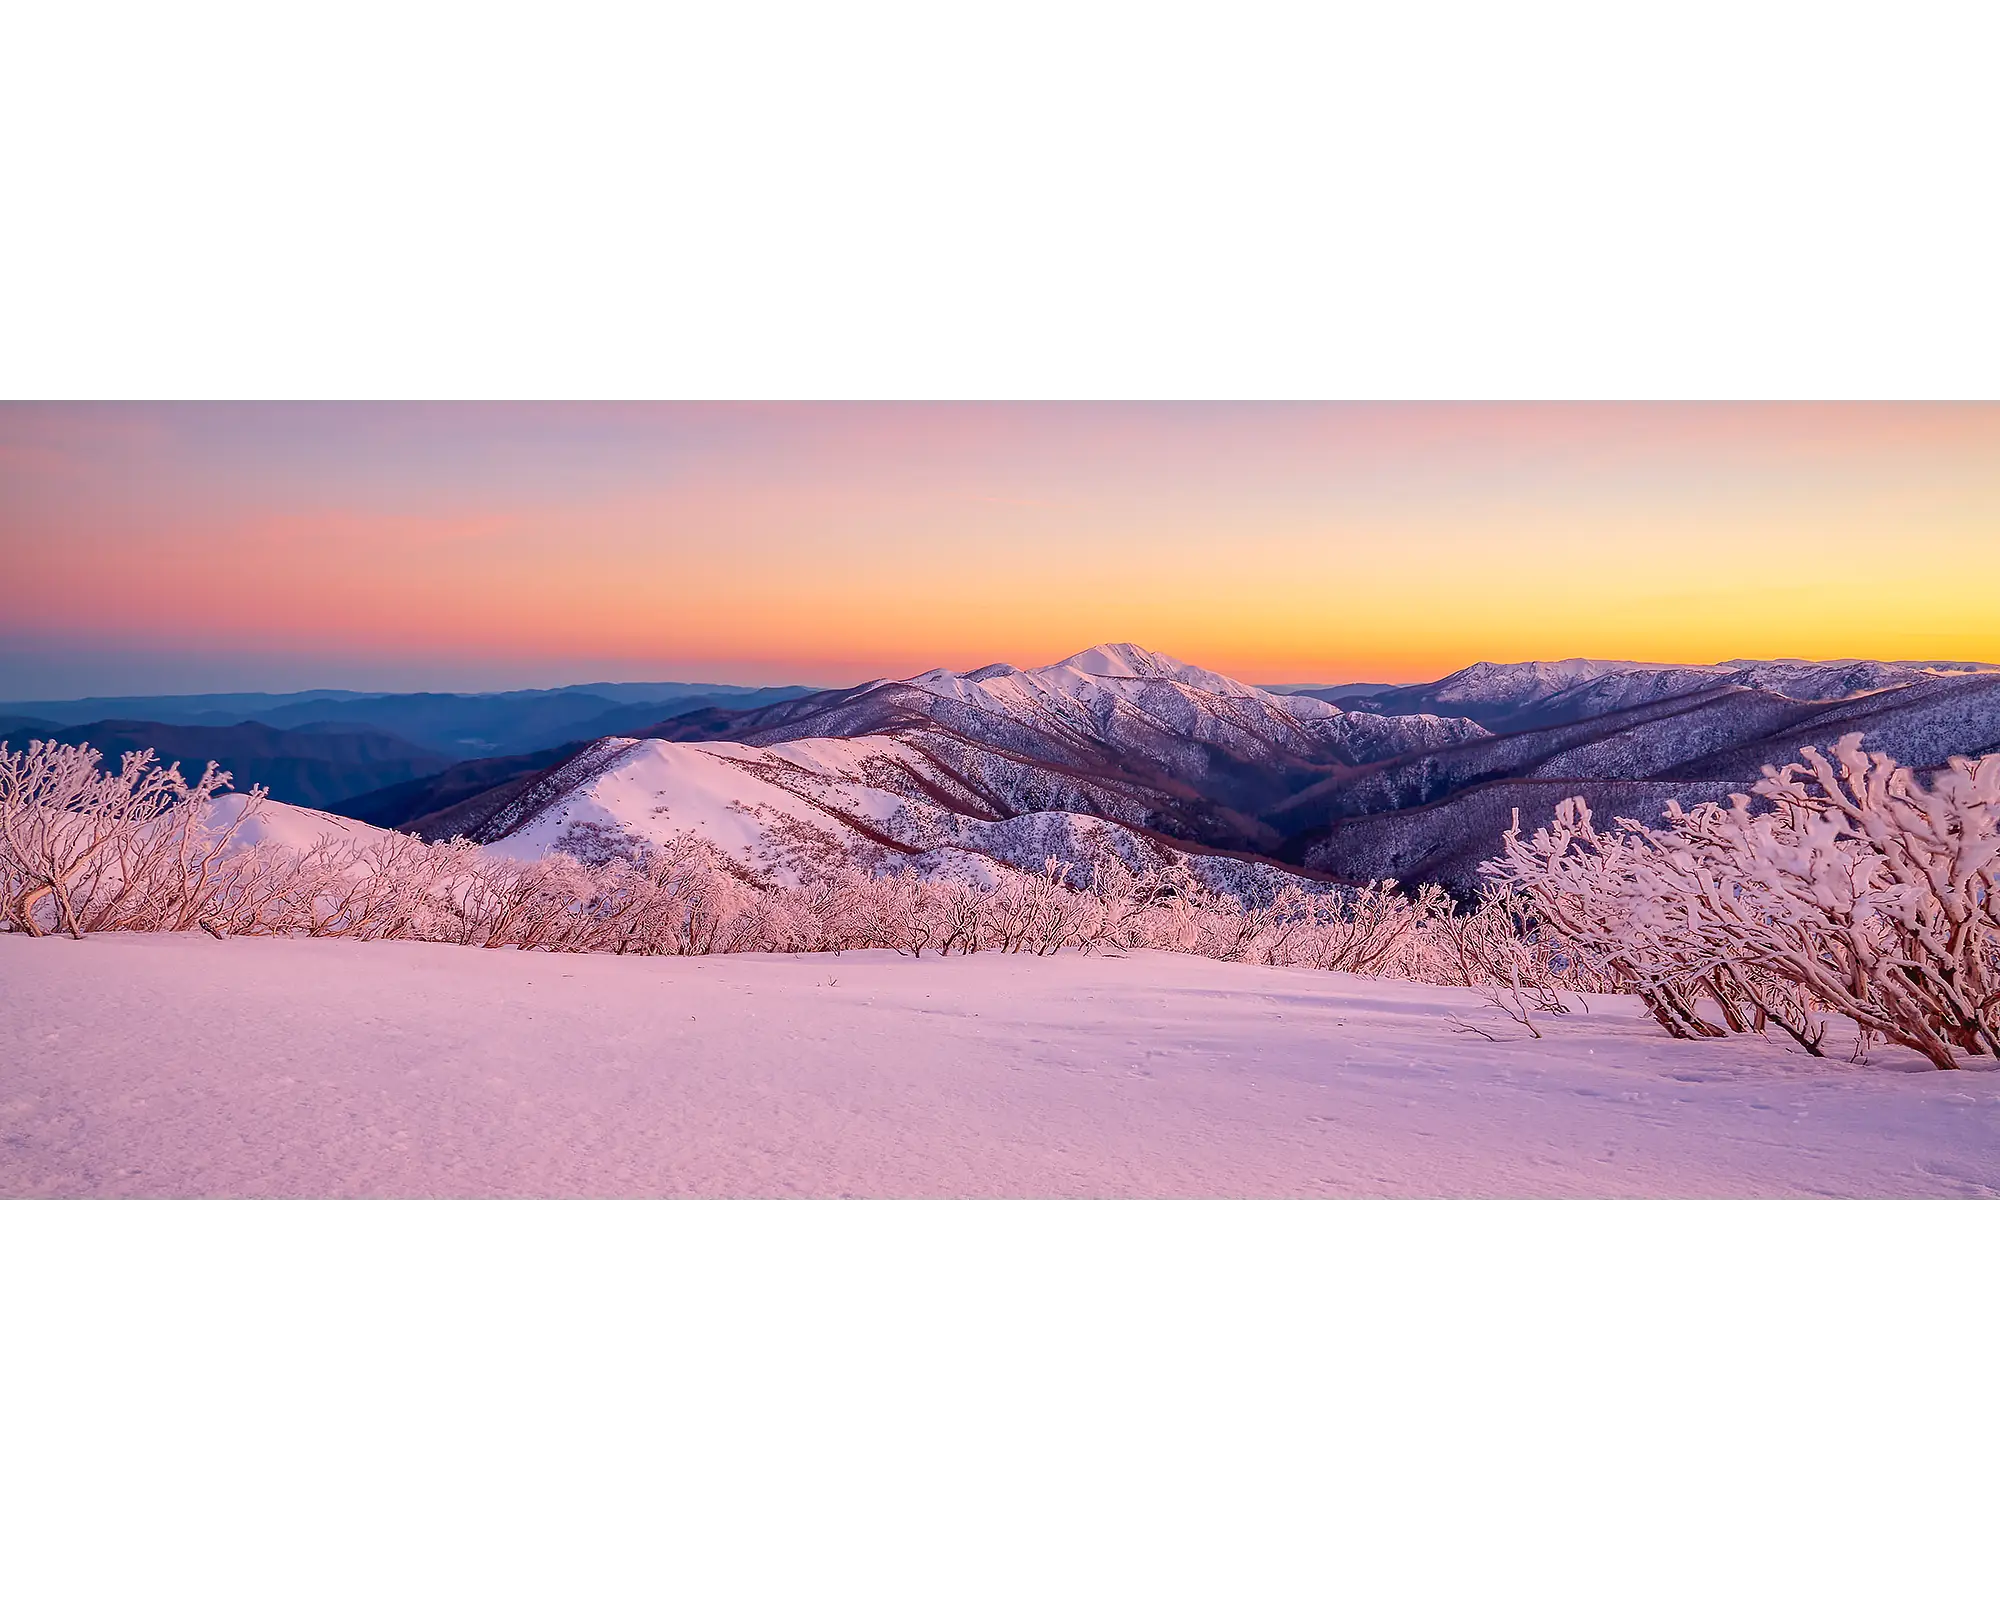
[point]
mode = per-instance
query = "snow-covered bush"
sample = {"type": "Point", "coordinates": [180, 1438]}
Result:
{"type": "Point", "coordinates": [1839, 885]}
{"type": "Point", "coordinates": [139, 849]}
{"type": "Point", "coordinates": [107, 850]}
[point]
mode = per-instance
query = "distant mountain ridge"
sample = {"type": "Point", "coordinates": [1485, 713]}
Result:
{"type": "Point", "coordinates": [1433, 818]}
{"type": "Point", "coordinates": [1116, 749]}
{"type": "Point", "coordinates": [328, 747]}
{"type": "Point", "coordinates": [1507, 696]}
{"type": "Point", "coordinates": [1120, 751]}
{"type": "Point", "coordinates": [515, 721]}
{"type": "Point", "coordinates": [1115, 711]}
{"type": "Point", "coordinates": [1388, 785]}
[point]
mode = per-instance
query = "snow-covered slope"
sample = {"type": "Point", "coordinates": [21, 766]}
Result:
{"type": "Point", "coordinates": [1488, 683]}
{"type": "Point", "coordinates": [1135, 741]}
{"type": "Point", "coordinates": [293, 827]}
{"type": "Point", "coordinates": [167, 1065]}
{"type": "Point", "coordinates": [1615, 691]}
{"type": "Point", "coordinates": [786, 810]}
{"type": "Point", "coordinates": [778, 811]}
{"type": "Point", "coordinates": [1795, 680]}
{"type": "Point", "coordinates": [1125, 750]}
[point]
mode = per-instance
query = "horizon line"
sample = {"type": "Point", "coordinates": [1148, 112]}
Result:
{"type": "Point", "coordinates": [1938, 663]}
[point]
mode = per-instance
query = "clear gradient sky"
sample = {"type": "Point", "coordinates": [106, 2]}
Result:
{"type": "Point", "coordinates": [193, 548]}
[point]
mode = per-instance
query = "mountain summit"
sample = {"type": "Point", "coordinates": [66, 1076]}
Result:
{"type": "Point", "coordinates": [1109, 748]}
{"type": "Point", "coordinates": [1121, 750]}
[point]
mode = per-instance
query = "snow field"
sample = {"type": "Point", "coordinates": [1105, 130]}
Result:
{"type": "Point", "coordinates": [174, 1065]}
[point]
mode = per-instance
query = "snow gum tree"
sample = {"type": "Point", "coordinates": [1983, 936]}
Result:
{"type": "Point", "coordinates": [131, 848]}
{"type": "Point", "coordinates": [1842, 884]}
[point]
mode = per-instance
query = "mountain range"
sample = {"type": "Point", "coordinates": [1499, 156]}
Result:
{"type": "Point", "coordinates": [1125, 751]}
{"type": "Point", "coordinates": [1628, 740]}
{"type": "Point", "coordinates": [1117, 751]}
{"type": "Point", "coordinates": [1509, 696]}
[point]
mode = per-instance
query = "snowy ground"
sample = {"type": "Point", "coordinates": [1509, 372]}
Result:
{"type": "Point", "coordinates": [165, 1065]}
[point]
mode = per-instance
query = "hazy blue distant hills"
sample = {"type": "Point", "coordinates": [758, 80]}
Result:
{"type": "Point", "coordinates": [235, 706]}
{"type": "Point", "coordinates": [1333, 693]}
{"type": "Point", "coordinates": [309, 766]}
{"type": "Point", "coordinates": [690, 693]}
{"type": "Point", "coordinates": [181, 710]}
{"type": "Point", "coordinates": [455, 726]}
{"type": "Point", "coordinates": [460, 724]}
{"type": "Point", "coordinates": [324, 747]}
{"type": "Point", "coordinates": [470, 725]}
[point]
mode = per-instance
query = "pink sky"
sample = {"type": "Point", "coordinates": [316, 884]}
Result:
{"type": "Point", "coordinates": [164, 548]}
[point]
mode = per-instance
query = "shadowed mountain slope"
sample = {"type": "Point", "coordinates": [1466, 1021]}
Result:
{"type": "Point", "coordinates": [1117, 714]}
{"type": "Point", "coordinates": [1434, 817]}
{"type": "Point", "coordinates": [1111, 748]}
{"type": "Point", "coordinates": [486, 783]}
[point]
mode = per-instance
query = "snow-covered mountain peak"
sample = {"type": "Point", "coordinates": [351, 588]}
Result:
{"type": "Point", "coordinates": [1118, 733]}
{"type": "Point", "coordinates": [1490, 682]}
{"type": "Point", "coordinates": [1125, 661]}
{"type": "Point", "coordinates": [1136, 661]}
{"type": "Point", "coordinates": [1091, 682]}
{"type": "Point", "coordinates": [1131, 672]}
{"type": "Point", "coordinates": [1110, 704]}
{"type": "Point", "coordinates": [1122, 679]}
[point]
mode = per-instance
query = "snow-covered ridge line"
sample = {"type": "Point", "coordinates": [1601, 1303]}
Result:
{"type": "Point", "coordinates": [1522, 693]}
{"type": "Point", "coordinates": [1133, 745]}
{"type": "Point", "coordinates": [553, 787]}
{"type": "Point", "coordinates": [786, 813]}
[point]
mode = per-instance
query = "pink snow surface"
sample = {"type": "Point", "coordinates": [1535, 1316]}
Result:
{"type": "Point", "coordinates": [175, 1065]}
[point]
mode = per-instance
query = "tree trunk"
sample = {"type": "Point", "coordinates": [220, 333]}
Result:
{"type": "Point", "coordinates": [24, 913]}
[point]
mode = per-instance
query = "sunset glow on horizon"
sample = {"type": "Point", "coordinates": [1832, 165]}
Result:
{"type": "Point", "coordinates": [186, 548]}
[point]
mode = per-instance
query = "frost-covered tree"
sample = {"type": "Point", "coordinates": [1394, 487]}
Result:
{"type": "Point", "coordinates": [131, 848]}
{"type": "Point", "coordinates": [1841, 884]}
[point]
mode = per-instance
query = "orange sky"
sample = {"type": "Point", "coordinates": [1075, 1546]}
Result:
{"type": "Point", "coordinates": [183, 548]}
